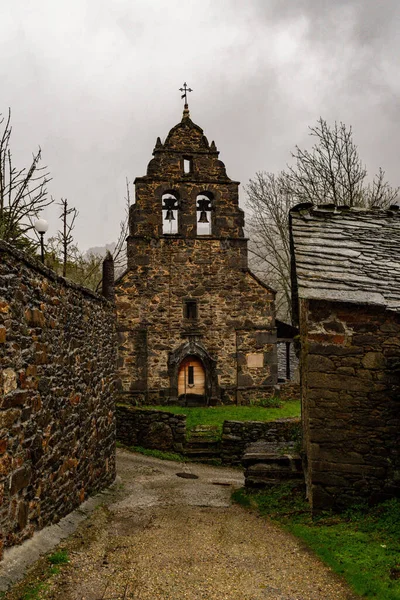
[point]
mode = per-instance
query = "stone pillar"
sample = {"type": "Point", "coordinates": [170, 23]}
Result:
{"type": "Point", "coordinates": [108, 290]}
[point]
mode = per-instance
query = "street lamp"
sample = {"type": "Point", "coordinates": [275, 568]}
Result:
{"type": "Point", "coordinates": [41, 227]}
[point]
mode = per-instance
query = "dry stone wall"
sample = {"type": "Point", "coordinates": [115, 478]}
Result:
{"type": "Point", "coordinates": [154, 429]}
{"type": "Point", "coordinates": [281, 435]}
{"type": "Point", "coordinates": [57, 382]}
{"type": "Point", "coordinates": [350, 369]}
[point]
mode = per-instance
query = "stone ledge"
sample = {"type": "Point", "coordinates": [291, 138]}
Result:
{"type": "Point", "coordinates": [39, 267]}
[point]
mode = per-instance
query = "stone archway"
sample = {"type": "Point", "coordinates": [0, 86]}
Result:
{"type": "Point", "coordinates": [204, 389]}
{"type": "Point", "coordinates": [191, 377]}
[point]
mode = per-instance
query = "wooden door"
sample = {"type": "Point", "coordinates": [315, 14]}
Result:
{"type": "Point", "coordinates": [191, 377]}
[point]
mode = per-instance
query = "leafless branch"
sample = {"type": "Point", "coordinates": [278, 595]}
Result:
{"type": "Point", "coordinates": [23, 193]}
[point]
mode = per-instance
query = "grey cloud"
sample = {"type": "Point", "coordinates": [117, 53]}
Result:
{"type": "Point", "coordinates": [94, 83]}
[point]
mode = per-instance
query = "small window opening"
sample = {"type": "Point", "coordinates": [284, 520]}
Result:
{"type": "Point", "coordinates": [191, 309]}
{"type": "Point", "coordinates": [187, 165]}
{"type": "Point", "coordinates": [190, 375]}
{"type": "Point", "coordinates": [170, 213]}
{"type": "Point", "coordinates": [203, 208]}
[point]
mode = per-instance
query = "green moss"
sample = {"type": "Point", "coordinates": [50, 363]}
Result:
{"type": "Point", "coordinates": [58, 558]}
{"type": "Point", "coordinates": [155, 453]}
{"type": "Point", "coordinates": [361, 544]}
{"type": "Point", "coordinates": [214, 416]}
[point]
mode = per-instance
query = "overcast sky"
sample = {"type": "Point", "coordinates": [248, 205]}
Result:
{"type": "Point", "coordinates": [94, 83]}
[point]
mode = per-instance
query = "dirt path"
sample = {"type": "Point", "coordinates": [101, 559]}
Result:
{"type": "Point", "coordinates": [173, 538]}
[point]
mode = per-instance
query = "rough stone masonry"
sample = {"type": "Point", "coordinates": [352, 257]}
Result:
{"type": "Point", "coordinates": [57, 382]}
{"type": "Point", "coordinates": [188, 299]}
{"type": "Point", "coordinates": [346, 286]}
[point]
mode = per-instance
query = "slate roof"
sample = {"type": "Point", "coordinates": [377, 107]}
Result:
{"type": "Point", "coordinates": [346, 255]}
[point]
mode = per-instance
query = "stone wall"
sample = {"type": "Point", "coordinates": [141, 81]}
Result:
{"type": "Point", "coordinates": [281, 435]}
{"type": "Point", "coordinates": [350, 368]}
{"type": "Point", "coordinates": [289, 391]}
{"type": "Point", "coordinates": [282, 361]}
{"type": "Point", "coordinates": [152, 429]}
{"type": "Point", "coordinates": [235, 322]}
{"type": "Point", "coordinates": [57, 422]}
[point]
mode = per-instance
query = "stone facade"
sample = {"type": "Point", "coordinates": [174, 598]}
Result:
{"type": "Point", "coordinates": [346, 293]}
{"type": "Point", "coordinates": [188, 294]}
{"type": "Point", "coordinates": [281, 435]}
{"type": "Point", "coordinates": [57, 422]}
{"type": "Point", "coordinates": [351, 398]}
{"type": "Point", "coordinates": [154, 429]}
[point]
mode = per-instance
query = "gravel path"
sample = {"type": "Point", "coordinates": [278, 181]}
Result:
{"type": "Point", "coordinates": [164, 537]}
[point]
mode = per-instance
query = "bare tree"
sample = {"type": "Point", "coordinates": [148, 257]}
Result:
{"type": "Point", "coordinates": [23, 192]}
{"type": "Point", "coordinates": [267, 225]}
{"type": "Point", "coordinates": [65, 238]}
{"type": "Point", "coordinates": [64, 256]}
{"type": "Point", "coordinates": [331, 172]}
{"type": "Point", "coordinates": [119, 254]}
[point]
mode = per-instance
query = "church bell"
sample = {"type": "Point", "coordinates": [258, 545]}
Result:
{"type": "Point", "coordinates": [203, 217]}
{"type": "Point", "coordinates": [170, 215]}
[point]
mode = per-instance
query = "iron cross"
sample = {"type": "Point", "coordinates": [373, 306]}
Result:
{"type": "Point", "coordinates": [185, 89]}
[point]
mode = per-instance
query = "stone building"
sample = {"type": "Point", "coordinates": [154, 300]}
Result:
{"type": "Point", "coordinates": [195, 324]}
{"type": "Point", "coordinates": [346, 291]}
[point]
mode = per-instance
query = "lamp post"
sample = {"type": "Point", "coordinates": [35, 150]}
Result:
{"type": "Point", "coordinates": [41, 227]}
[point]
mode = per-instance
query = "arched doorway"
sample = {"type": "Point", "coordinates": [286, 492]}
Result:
{"type": "Point", "coordinates": [191, 380]}
{"type": "Point", "coordinates": [192, 353]}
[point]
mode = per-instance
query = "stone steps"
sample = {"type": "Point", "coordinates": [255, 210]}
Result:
{"type": "Point", "coordinates": [199, 443]}
{"type": "Point", "coordinates": [202, 453]}
{"type": "Point", "coordinates": [264, 468]}
{"type": "Point", "coordinates": [203, 446]}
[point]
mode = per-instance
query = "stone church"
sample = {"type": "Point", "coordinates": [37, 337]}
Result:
{"type": "Point", "coordinates": [196, 326]}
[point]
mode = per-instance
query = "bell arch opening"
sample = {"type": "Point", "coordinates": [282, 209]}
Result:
{"type": "Point", "coordinates": [204, 204]}
{"type": "Point", "coordinates": [170, 206]}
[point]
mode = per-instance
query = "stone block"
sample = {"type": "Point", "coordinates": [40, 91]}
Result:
{"type": "Point", "coordinates": [332, 350]}
{"type": "Point", "coordinates": [35, 317]}
{"type": "Point", "coordinates": [374, 360]}
{"type": "Point", "coordinates": [255, 360]}
{"type": "Point", "coordinates": [20, 479]}
{"type": "Point", "coordinates": [264, 337]}
{"type": "Point", "coordinates": [338, 382]}
{"type": "Point", "coordinates": [22, 515]}
{"type": "Point", "coordinates": [5, 464]}
{"type": "Point", "coordinates": [16, 398]}
{"type": "Point", "coordinates": [9, 377]}
{"type": "Point", "coordinates": [333, 326]}
{"type": "Point", "coordinates": [365, 339]}
{"type": "Point", "coordinates": [244, 380]}
{"type": "Point", "coordinates": [9, 417]}
{"type": "Point", "coordinates": [319, 363]}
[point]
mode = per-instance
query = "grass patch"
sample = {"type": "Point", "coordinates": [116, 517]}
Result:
{"type": "Point", "coordinates": [33, 590]}
{"type": "Point", "coordinates": [58, 558]}
{"type": "Point", "coordinates": [155, 453]}
{"type": "Point", "coordinates": [214, 416]}
{"type": "Point", "coordinates": [361, 544]}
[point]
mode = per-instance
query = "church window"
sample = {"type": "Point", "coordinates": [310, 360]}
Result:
{"type": "Point", "coordinates": [203, 208]}
{"type": "Point", "coordinates": [170, 213]}
{"type": "Point", "coordinates": [191, 375]}
{"type": "Point", "coordinates": [190, 309]}
{"type": "Point", "coordinates": [187, 164]}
